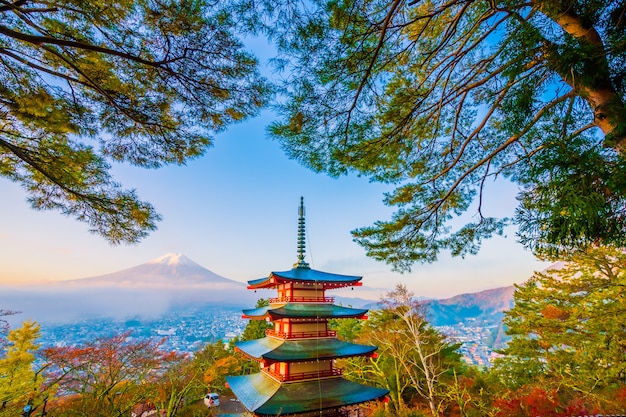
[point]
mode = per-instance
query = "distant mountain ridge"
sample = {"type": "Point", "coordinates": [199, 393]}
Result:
{"type": "Point", "coordinates": [488, 305]}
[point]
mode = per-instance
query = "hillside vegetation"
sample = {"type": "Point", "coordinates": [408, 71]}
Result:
{"type": "Point", "coordinates": [565, 357]}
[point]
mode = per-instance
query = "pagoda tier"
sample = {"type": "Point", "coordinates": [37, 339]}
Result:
{"type": "Point", "coordinates": [286, 360]}
{"type": "Point", "coordinates": [265, 396]}
{"type": "Point", "coordinates": [306, 276]}
{"type": "Point", "coordinates": [269, 349]}
{"type": "Point", "coordinates": [303, 311]}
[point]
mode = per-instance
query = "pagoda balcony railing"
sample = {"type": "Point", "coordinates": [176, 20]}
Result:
{"type": "Point", "coordinates": [300, 335]}
{"type": "Point", "coordinates": [299, 299]}
{"type": "Point", "coordinates": [299, 376]}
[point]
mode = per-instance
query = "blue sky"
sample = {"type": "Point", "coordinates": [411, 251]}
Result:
{"type": "Point", "coordinates": [234, 211]}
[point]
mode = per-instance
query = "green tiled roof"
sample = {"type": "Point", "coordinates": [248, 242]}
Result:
{"type": "Point", "coordinates": [262, 395]}
{"type": "Point", "coordinates": [253, 390]}
{"type": "Point", "coordinates": [303, 310]}
{"type": "Point", "coordinates": [299, 350]}
{"type": "Point", "coordinates": [259, 347]}
{"type": "Point", "coordinates": [307, 275]}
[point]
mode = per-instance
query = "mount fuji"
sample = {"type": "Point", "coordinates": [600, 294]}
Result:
{"type": "Point", "coordinates": [171, 270]}
{"type": "Point", "coordinates": [170, 282]}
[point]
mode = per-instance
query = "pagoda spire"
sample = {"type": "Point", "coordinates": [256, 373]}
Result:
{"type": "Point", "coordinates": [301, 237]}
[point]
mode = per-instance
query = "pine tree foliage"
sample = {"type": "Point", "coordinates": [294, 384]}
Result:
{"type": "Point", "coordinates": [567, 327]}
{"type": "Point", "coordinates": [255, 329]}
{"type": "Point", "coordinates": [440, 97]}
{"type": "Point", "coordinates": [84, 83]}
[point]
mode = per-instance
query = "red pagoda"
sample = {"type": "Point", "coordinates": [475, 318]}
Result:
{"type": "Point", "coordinates": [297, 357]}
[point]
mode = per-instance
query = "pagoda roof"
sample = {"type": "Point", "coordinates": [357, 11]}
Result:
{"type": "Point", "coordinates": [261, 394]}
{"type": "Point", "coordinates": [304, 310]}
{"type": "Point", "coordinates": [279, 350]}
{"type": "Point", "coordinates": [304, 274]}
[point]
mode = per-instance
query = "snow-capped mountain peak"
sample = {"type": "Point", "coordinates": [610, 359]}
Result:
{"type": "Point", "coordinates": [173, 259]}
{"type": "Point", "coordinates": [170, 270]}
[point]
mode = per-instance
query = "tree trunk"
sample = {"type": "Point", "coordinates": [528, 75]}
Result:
{"type": "Point", "coordinates": [593, 83]}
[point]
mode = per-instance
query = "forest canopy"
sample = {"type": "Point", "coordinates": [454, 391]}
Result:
{"type": "Point", "coordinates": [84, 83]}
{"type": "Point", "coordinates": [440, 98]}
{"type": "Point", "coordinates": [435, 98]}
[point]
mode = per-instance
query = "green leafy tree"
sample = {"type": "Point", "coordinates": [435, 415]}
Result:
{"type": "Point", "coordinates": [567, 329]}
{"type": "Point", "coordinates": [471, 393]}
{"type": "Point", "coordinates": [255, 329]}
{"type": "Point", "coordinates": [178, 386]}
{"type": "Point", "coordinates": [19, 382]}
{"type": "Point", "coordinates": [83, 83]}
{"type": "Point", "coordinates": [385, 370]}
{"type": "Point", "coordinates": [214, 361]}
{"type": "Point", "coordinates": [347, 329]}
{"type": "Point", "coordinates": [415, 362]}
{"type": "Point", "coordinates": [439, 97]}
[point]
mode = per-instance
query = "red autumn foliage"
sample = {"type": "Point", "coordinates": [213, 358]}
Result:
{"type": "Point", "coordinates": [109, 373]}
{"type": "Point", "coordinates": [554, 313]}
{"type": "Point", "coordinates": [536, 401]}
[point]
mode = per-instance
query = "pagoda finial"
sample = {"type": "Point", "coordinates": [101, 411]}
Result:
{"type": "Point", "coordinates": [301, 237]}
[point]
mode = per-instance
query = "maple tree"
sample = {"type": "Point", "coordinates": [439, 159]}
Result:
{"type": "Point", "coordinates": [537, 401]}
{"type": "Point", "coordinates": [216, 361]}
{"type": "Point", "coordinates": [108, 376]}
